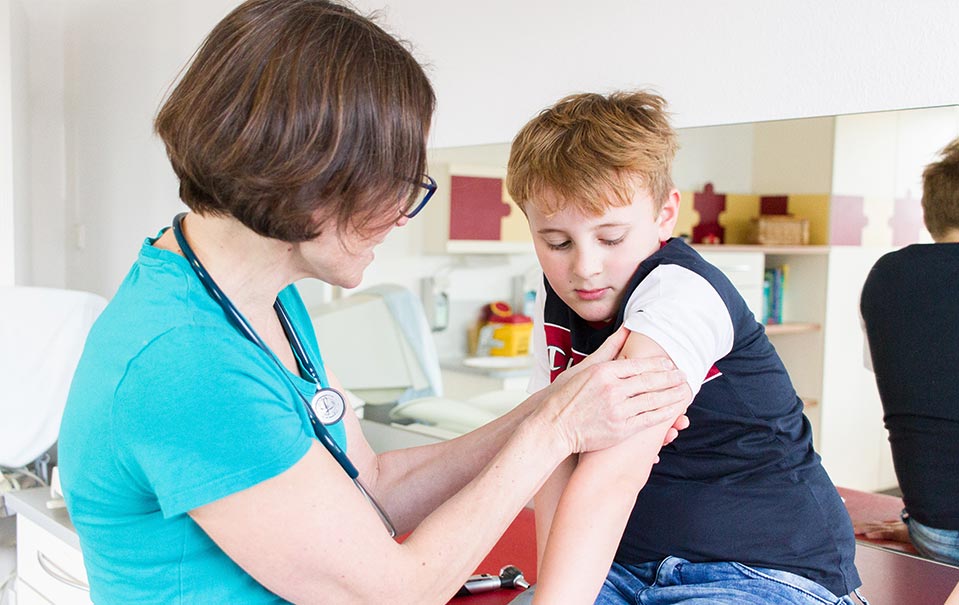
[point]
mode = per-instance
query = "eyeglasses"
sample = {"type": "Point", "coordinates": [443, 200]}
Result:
{"type": "Point", "coordinates": [423, 191]}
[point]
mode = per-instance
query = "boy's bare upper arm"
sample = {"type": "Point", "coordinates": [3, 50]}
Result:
{"type": "Point", "coordinates": [639, 345]}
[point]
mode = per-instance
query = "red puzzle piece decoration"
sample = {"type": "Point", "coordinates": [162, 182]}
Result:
{"type": "Point", "coordinates": [774, 204]}
{"type": "Point", "coordinates": [709, 204]}
{"type": "Point", "coordinates": [906, 221]}
{"type": "Point", "coordinates": [846, 220]}
{"type": "Point", "coordinates": [476, 208]}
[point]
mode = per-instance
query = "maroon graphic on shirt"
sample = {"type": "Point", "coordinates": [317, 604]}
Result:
{"type": "Point", "coordinates": [559, 350]}
{"type": "Point", "coordinates": [560, 353]}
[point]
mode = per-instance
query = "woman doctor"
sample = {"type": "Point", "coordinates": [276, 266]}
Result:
{"type": "Point", "coordinates": [206, 455]}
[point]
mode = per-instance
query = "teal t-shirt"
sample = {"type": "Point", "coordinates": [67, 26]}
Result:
{"type": "Point", "coordinates": [172, 408]}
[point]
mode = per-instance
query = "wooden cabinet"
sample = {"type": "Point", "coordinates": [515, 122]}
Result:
{"type": "Point", "coordinates": [821, 344]}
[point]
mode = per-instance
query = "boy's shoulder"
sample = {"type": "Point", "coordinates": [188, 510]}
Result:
{"type": "Point", "coordinates": [676, 251]}
{"type": "Point", "coordinates": [696, 269]}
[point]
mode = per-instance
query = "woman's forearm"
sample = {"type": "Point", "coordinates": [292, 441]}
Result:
{"type": "Point", "coordinates": [369, 567]}
{"type": "Point", "coordinates": [412, 482]}
{"type": "Point", "coordinates": [489, 502]}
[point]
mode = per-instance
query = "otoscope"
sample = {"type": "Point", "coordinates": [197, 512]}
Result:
{"type": "Point", "coordinates": [509, 577]}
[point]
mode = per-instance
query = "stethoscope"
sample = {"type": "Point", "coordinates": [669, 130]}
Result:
{"type": "Point", "coordinates": [329, 401]}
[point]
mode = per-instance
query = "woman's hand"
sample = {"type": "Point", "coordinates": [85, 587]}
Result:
{"type": "Point", "coordinates": [602, 401]}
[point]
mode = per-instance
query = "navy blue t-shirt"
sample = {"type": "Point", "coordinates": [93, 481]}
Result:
{"type": "Point", "coordinates": [910, 306]}
{"type": "Point", "coordinates": [743, 482]}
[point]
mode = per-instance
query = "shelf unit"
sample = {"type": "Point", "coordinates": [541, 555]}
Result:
{"type": "Point", "coordinates": [792, 327]}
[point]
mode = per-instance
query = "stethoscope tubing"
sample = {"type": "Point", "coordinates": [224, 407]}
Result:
{"type": "Point", "coordinates": [240, 322]}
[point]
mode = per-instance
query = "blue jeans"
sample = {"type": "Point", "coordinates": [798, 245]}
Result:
{"type": "Point", "coordinates": [676, 581]}
{"type": "Point", "coordinates": [937, 544]}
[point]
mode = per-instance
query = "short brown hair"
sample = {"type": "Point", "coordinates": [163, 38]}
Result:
{"type": "Point", "coordinates": [940, 192]}
{"type": "Point", "coordinates": [588, 149]}
{"type": "Point", "coordinates": [296, 111]}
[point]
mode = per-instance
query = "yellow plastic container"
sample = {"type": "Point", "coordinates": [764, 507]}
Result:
{"type": "Point", "coordinates": [511, 339]}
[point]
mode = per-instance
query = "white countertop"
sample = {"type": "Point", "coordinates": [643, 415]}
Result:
{"type": "Point", "coordinates": [495, 367]}
{"type": "Point", "coordinates": [32, 504]}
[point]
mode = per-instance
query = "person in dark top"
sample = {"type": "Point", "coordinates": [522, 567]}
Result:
{"type": "Point", "coordinates": [739, 508]}
{"type": "Point", "coordinates": [910, 310]}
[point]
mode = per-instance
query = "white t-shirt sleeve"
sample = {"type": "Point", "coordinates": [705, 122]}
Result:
{"type": "Point", "coordinates": [539, 378]}
{"type": "Point", "coordinates": [684, 315]}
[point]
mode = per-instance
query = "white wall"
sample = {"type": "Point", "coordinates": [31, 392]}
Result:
{"type": "Point", "coordinates": [121, 57]}
{"type": "Point", "coordinates": [716, 62]}
{"type": "Point", "coordinates": [793, 156]}
{"type": "Point", "coordinates": [492, 68]}
{"type": "Point", "coordinates": [45, 173]}
{"type": "Point", "coordinates": [881, 157]}
{"type": "Point", "coordinates": [721, 155]}
{"type": "Point", "coordinates": [14, 151]}
{"type": "Point", "coordinates": [7, 223]}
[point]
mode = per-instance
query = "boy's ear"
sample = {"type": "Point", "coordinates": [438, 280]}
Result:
{"type": "Point", "coordinates": [668, 215]}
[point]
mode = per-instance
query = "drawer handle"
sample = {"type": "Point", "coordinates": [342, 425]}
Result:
{"type": "Point", "coordinates": [56, 572]}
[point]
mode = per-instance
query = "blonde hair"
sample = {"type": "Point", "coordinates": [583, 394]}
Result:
{"type": "Point", "coordinates": [587, 151]}
{"type": "Point", "coordinates": [940, 192]}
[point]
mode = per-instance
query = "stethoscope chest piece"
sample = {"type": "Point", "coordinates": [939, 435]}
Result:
{"type": "Point", "coordinates": [329, 405]}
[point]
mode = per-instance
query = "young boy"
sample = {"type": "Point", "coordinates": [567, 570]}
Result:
{"type": "Point", "coordinates": [739, 508]}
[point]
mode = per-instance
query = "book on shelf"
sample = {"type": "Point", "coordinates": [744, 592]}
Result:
{"type": "Point", "coordinates": [774, 285]}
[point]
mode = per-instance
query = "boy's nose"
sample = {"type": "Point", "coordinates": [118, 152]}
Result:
{"type": "Point", "coordinates": [587, 264]}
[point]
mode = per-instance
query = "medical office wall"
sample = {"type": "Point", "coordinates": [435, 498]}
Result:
{"type": "Point", "coordinates": [97, 181]}
{"type": "Point", "coordinates": [14, 244]}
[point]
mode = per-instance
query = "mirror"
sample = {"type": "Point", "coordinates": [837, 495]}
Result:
{"type": "Point", "coordinates": [856, 180]}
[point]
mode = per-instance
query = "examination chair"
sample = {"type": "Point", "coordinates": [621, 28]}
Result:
{"type": "Point", "coordinates": [43, 331]}
{"type": "Point", "coordinates": [379, 345]}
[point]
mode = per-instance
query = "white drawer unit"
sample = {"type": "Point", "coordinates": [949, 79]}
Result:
{"type": "Point", "coordinates": [49, 562]}
{"type": "Point", "coordinates": [49, 566]}
{"type": "Point", "coordinates": [744, 270]}
{"type": "Point", "coordinates": [26, 595]}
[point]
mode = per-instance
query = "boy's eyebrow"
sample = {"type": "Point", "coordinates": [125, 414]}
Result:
{"type": "Point", "coordinates": [546, 230]}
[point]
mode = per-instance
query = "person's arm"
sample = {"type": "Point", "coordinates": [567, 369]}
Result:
{"type": "Point", "coordinates": [893, 529]}
{"type": "Point", "coordinates": [308, 534]}
{"type": "Point", "coordinates": [595, 506]}
{"type": "Point", "coordinates": [547, 498]}
{"type": "Point", "coordinates": [545, 503]}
